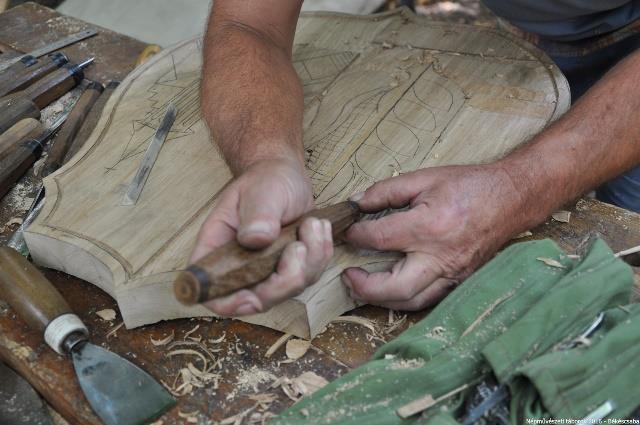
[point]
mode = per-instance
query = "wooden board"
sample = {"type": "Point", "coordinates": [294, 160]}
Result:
{"type": "Point", "coordinates": [383, 95]}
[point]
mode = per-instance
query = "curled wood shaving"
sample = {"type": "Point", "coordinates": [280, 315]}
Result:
{"type": "Point", "coordinates": [551, 262]}
{"type": "Point", "coordinates": [186, 335]}
{"type": "Point", "coordinates": [218, 340]}
{"type": "Point", "coordinates": [296, 348]}
{"type": "Point", "coordinates": [113, 331]}
{"type": "Point", "coordinates": [487, 312]}
{"type": "Point", "coordinates": [188, 352]}
{"type": "Point", "coordinates": [357, 320]}
{"type": "Point", "coordinates": [108, 314]}
{"type": "Point", "coordinates": [200, 345]}
{"type": "Point", "coordinates": [237, 418]}
{"type": "Point", "coordinates": [163, 341]}
{"type": "Point", "coordinates": [524, 234]}
{"type": "Point", "coordinates": [191, 417]}
{"type": "Point", "coordinates": [394, 322]}
{"type": "Point", "coordinates": [276, 345]}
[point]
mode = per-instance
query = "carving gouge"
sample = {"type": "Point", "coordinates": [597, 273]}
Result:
{"type": "Point", "coordinates": [118, 391]}
{"type": "Point", "coordinates": [27, 103]}
{"type": "Point", "coordinates": [51, 47]}
{"type": "Point", "coordinates": [21, 80]}
{"type": "Point", "coordinates": [232, 267]}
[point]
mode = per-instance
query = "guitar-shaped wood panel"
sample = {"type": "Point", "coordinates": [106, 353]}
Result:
{"type": "Point", "coordinates": [384, 95]}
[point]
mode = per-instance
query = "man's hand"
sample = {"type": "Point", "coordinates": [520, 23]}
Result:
{"type": "Point", "coordinates": [458, 217]}
{"type": "Point", "coordinates": [252, 209]}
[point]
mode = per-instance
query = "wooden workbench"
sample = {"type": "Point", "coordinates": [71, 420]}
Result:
{"type": "Point", "coordinates": [245, 369]}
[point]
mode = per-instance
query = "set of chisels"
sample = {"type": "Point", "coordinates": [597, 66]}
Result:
{"type": "Point", "coordinates": [119, 392]}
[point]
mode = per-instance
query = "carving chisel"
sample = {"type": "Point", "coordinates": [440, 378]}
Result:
{"type": "Point", "coordinates": [135, 187]}
{"type": "Point", "coordinates": [51, 47]}
{"type": "Point", "coordinates": [18, 68]}
{"type": "Point", "coordinates": [21, 80]}
{"type": "Point", "coordinates": [118, 391]}
{"type": "Point", "coordinates": [28, 102]}
{"type": "Point", "coordinates": [232, 267]}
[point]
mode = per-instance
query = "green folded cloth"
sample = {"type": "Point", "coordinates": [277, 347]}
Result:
{"type": "Point", "coordinates": [513, 312]}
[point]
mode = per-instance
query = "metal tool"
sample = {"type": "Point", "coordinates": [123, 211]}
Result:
{"type": "Point", "coordinates": [135, 187]}
{"type": "Point", "coordinates": [58, 44]}
{"type": "Point", "coordinates": [118, 391]}
{"type": "Point", "coordinates": [232, 267]}
{"type": "Point", "coordinates": [19, 403]}
{"type": "Point", "coordinates": [601, 412]}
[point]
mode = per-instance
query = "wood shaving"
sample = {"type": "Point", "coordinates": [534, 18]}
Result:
{"type": "Point", "coordinates": [238, 418]}
{"type": "Point", "coordinates": [296, 348]}
{"type": "Point", "coordinates": [108, 314]}
{"type": "Point", "coordinates": [163, 341]}
{"type": "Point", "coordinates": [191, 417]}
{"type": "Point", "coordinates": [426, 402]}
{"type": "Point", "coordinates": [238, 349]}
{"type": "Point", "coordinates": [387, 45]}
{"type": "Point", "coordinates": [394, 322]}
{"type": "Point", "coordinates": [276, 345]}
{"type": "Point", "coordinates": [561, 216]}
{"type": "Point", "coordinates": [305, 384]}
{"type": "Point", "coordinates": [188, 352]}
{"type": "Point", "coordinates": [186, 335]}
{"type": "Point", "coordinates": [551, 262]}
{"type": "Point", "coordinates": [357, 320]}
{"type": "Point", "coordinates": [218, 340]}
{"type": "Point", "coordinates": [113, 331]}
{"type": "Point", "coordinates": [487, 312]}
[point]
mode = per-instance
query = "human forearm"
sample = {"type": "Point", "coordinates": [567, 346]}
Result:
{"type": "Point", "coordinates": [598, 139]}
{"type": "Point", "coordinates": [252, 97]}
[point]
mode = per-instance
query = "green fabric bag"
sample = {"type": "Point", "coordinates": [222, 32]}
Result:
{"type": "Point", "coordinates": [444, 351]}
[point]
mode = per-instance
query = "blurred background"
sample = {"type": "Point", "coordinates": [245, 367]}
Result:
{"type": "Point", "coordinates": [182, 19]}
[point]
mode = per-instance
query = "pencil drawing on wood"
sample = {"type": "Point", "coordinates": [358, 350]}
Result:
{"type": "Point", "coordinates": [384, 95]}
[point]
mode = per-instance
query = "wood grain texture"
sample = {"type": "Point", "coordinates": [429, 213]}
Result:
{"type": "Point", "coordinates": [14, 109]}
{"type": "Point", "coordinates": [21, 80]}
{"type": "Point", "coordinates": [441, 94]}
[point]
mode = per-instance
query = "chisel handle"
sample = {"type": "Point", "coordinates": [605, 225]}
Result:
{"type": "Point", "coordinates": [29, 75]}
{"type": "Point", "coordinates": [17, 68]}
{"type": "Point", "coordinates": [27, 128]}
{"type": "Point", "coordinates": [17, 160]}
{"type": "Point", "coordinates": [232, 267]}
{"type": "Point", "coordinates": [68, 131]}
{"type": "Point", "coordinates": [35, 299]}
{"type": "Point", "coordinates": [14, 109]}
{"type": "Point", "coordinates": [54, 85]}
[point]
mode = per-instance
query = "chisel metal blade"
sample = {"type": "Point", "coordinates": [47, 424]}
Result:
{"type": "Point", "coordinates": [135, 187]}
{"type": "Point", "coordinates": [119, 392]}
{"type": "Point", "coordinates": [58, 44]}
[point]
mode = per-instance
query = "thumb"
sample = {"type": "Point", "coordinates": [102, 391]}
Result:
{"type": "Point", "coordinates": [395, 192]}
{"type": "Point", "coordinates": [260, 212]}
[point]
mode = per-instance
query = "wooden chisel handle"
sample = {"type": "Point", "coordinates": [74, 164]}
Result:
{"type": "Point", "coordinates": [32, 73]}
{"type": "Point", "coordinates": [17, 160]}
{"type": "Point", "coordinates": [36, 300]}
{"type": "Point", "coordinates": [233, 267]}
{"type": "Point", "coordinates": [14, 109]}
{"type": "Point", "coordinates": [68, 131]}
{"type": "Point", "coordinates": [28, 292]}
{"type": "Point", "coordinates": [22, 130]}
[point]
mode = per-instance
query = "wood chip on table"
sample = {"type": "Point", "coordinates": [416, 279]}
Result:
{"type": "Point", "coordinates": [357, 320]}
{"type": "Point", "coordinates": [561, 216]}
{"type": "Point", "coordinates": [305, 384]}
{"type": "Point", "coordinates": [113, 332]}
{"type": "Point", "coordinates": [190, 417]}
{"type": "Point", "coordinates": [276, 345]}
{"type": "Point", "coordinates": [108, 314]}
{"type": "Point", "coordinates": [188, 333]}
{"type": "Point", "coordinates": [296, 348]}
{"type": "Point", "coordinates": [524, 234]}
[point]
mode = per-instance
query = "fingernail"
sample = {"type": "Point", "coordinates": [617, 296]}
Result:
{"type": "Point", "coordinates": [263, 227]}
{"type": "Point", "coordinates": [316, 226]}
{"type": "Point", "coordinates": [301, 253]}
{"type": "Point", "coordinates": [347, 281]}
{"type": "Point", "coordinates": [356, 196]}
{"type": "Point", "coordinates": [247, 308]}
{"type": "Point", "coordinates": [326, 225]}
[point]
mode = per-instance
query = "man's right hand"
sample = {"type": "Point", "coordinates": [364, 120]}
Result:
{"type": "Point", "coordinates": [252, 209]}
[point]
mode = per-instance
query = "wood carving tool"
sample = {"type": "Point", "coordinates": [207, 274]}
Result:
{"type": "Point", "coordinates": [118, 391]}
{"type": "Point", "coordinates": [21, 156]}
{"type": "Point", "coordinates": [68, 131]}
{"type": "Point", "coordinates": [18, 67]}
{"type": "Point", "coordinates": [23, 129]}
{"type": "Point", "coordinates": [21, 80]}
{"type": "Point", "coordinates": [91, 120]}
{"type": "Point", "coordinates": [135, 187]}
{"type": "Point", "coordinates": [232, 267]}
{"type": "Point", "coordinates": [51, 47]}
{"type": "Point", "coordinates": [28, 103]}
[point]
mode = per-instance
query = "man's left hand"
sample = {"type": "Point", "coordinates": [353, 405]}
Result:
{"type": "Point", "coordinates": [459, 217]}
